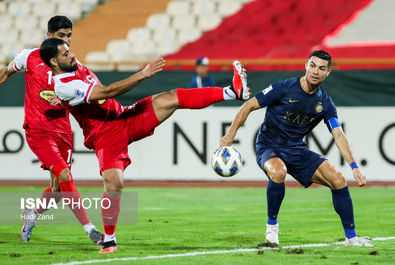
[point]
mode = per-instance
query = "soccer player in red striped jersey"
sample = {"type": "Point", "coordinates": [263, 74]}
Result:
{"type": "Point", "coordinates": [109, 128]}
{"type": "Point", "coordinates": [48, 131]}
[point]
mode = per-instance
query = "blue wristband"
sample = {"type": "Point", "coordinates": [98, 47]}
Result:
{"type": "Point", "coordinates": [354, 165]}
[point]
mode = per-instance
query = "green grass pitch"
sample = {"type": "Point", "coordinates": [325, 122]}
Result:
{"type": "Point", "coordinates": [185, 220]}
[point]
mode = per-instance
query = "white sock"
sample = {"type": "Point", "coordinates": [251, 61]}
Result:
{"type": "Point", "coordinates": [229, 94]}
{"type": "Point", "coordinates": [88, 227]}
{"type": "Point", "coordinates": [108, 238]}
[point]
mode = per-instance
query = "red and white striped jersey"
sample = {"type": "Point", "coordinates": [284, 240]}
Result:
{"type": "Point", "coordinates": [75, 88]}
{"type": "Point", "coordinates": [39, 87]}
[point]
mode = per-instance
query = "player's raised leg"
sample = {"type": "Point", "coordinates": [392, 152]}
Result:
{"type": "Point", "coordinates": [275, 192]}
{"type": "Point", "coordinates": [327, 175]}
{"type": "Point", "coordinates": [165, 104]}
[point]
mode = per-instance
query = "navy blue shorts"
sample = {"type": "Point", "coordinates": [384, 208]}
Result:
{"type": "Point", "coordinates": [301, 162]}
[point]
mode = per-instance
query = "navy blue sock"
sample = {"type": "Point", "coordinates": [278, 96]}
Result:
{"type": "Point", "coordinates": [275, 194]}
{"type": "Point", "coordinates": [343, 206]}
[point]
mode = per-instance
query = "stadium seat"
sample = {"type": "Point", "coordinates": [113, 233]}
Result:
{"type": "Point", "coordinates": [44, 9]}
{"type": "Point", "coordinates": [203, 7]}
{"type": "Point", "coordinates": [166, 48]}
{"type": "Point", "coordinates": [164, 35]}
{"type": "Point", "coordinates": [186, 35]}
{"type": "Point", "coordinates": [19, 9]}
{"type": "Point", "coordinates": [183, 21]}
{"type": "Point", "coordinates": [97, 56]}
{"type": "Point", "coordinates": [139, 35]}
{"type": "Point", "coordinates": [144, 51]}
{"type": "Point", "coordinates": [72, 11]}
{"type": "Point", "coordinates": [118, 49]}
{"type": "Point", "coordinates": [178, 7]}
{"type": "Point", "coordinates": [208, 22]}
{"type": "Point", "coordinates": [33, 39]}
{"type": "Point", "coordinates": [158, 21]}
{"type": "Point", "coordinates": [3, 8]}
{"type": "Point", "coordinates": [6, 22]}
{"type": "Point", "coordinates": [28, 23]}
{"type": "Point", "coordinates": [9, 50]}
{"type": "Point", "coordinates": [88, 5]}
{"type": "Point", "coordinates": [226, 8]}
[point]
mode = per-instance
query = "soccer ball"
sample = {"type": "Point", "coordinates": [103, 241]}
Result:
{"type": "Point", "coordinates": [226, 161]}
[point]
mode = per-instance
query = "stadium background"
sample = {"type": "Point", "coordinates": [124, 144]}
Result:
{"type": "Point", "coordinates": [272, 39]}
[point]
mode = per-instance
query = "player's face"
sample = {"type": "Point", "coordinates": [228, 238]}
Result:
{"type": "Point", "coordinates": [66, 59]}
{"type": "Point", "coordinates": [63, 34]}
{"type": "Point", "coordinates": [316, 70]}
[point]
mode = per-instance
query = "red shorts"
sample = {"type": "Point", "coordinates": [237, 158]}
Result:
{"type": "Point", "coordinates": [50, 147]}
{"type": "Point", "coordinates": [137, 122]}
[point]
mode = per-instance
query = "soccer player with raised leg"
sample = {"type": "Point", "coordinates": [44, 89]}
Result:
{"type": "Point", "coordinates": [293, 108]}
{"type": "Point", "coordinates": [109, 128]}
{"type": "Point", "coordinates": [48, 131]}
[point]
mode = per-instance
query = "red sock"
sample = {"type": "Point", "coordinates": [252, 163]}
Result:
{"type": "Point", "coordinates": [110, 215]}
{"type": "Point", "coordinates": [71, 194]}
{"type": "Point", "coordinates": [47, 195]}
{"type": "Point", "coordinates": [198, 98]}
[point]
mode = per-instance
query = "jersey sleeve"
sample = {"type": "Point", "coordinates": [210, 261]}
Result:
{"type": "Point", "coordinates": [20, 61]}
{"type": "Point", "coordinates": [75, 92]}
{"type": "Point", "coordinates": [331, 110]}
{"type": "Point", "coordinates": [270, 95]}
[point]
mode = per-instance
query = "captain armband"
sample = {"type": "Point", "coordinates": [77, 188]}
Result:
{"type": "Point", "coordinates": [332, 123]}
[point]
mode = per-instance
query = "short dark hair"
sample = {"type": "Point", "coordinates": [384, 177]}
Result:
{"type": "Point", "coordinates": [59, 22]}
{"type": "Point", "coordinates": [322, 55]}
{"type": "Point", "coordinates": [49, 49]}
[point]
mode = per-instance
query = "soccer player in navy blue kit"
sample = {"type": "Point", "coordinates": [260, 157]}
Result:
{"type": "Point", "coordinates": [293, 108]}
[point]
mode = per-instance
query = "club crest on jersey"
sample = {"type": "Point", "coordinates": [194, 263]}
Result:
{"type": "Point", "coordinates": [318, 107]}
{"type": "Point", "coordinates": [46, 94]}
{"type": "Point", "coordinates": [80, 92]}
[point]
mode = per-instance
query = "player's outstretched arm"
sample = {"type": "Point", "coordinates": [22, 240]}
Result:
{"type": "Point", "coordinates": [6, 72]}
{"type": "Point", "coordinates": [123, 86]}
{"type": "Point", "coordinates": [239, 120]}
{"type": "Point", "coordinates": [345, 150]}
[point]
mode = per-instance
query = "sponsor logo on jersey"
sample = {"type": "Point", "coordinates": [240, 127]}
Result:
{"type": "Point", "coordinates": [101, 101]}
{"type": "Point", "coordinates": [46, 94]}
{"type": "Point", "coordinates": [318, 107]}
{"type": "Point", "coordinates": [40, 64]}
{"type": "Point", "coordinates": [297, 118]}
{"type": "Point", "coordinates": [293, 100]}
{"type": "Point", "coordinates": [267, 90]}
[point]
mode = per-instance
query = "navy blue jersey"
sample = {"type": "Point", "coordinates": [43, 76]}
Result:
{"type": "Point", "coordinates": [291, 112]}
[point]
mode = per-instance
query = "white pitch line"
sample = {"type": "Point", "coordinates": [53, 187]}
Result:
{"type": "Point", "coordinates": [211, 252]}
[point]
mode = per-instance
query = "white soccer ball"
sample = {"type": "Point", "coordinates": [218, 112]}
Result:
{"type": "Point", "coordinates": [226, 161]}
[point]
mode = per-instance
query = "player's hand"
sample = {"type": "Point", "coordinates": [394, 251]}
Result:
{"type": "Point", "coordinates": [54, 101]}
{"type": "Point", "coordinates": [361, 179]}
{"type": "Point", "coordinates": [226, 140]}
{"type": "Point", "coordinates": [153, 67]}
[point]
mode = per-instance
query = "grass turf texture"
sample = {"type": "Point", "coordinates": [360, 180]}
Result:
{"type": "Point", "coordinates": [182, 220]}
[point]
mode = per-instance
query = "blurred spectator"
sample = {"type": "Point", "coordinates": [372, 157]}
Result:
{"type": "Point", "coordinates": [201, 78]}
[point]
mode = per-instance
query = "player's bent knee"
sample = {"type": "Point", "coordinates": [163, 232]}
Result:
{"type": "Point", "coordinates": [61, 171]}
{"type": "Point", "coordinates": [278, 175]}
{"type": "Point", "coordinates": [113, 183]}
{"type": "Point", "coordinates": [166, 100]}
{"type": "Point", "coordinates": [339, 181]}
{"type": "Point", "coordinates": [64, 175]}
{"type": "Point", "coordinates": [113, 187]}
